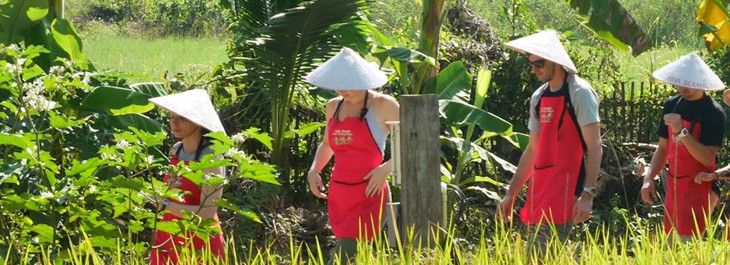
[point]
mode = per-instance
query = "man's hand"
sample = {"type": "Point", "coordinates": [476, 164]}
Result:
{"type": "Point", "coordinates": [583, 208]}
{"type": "Point", "coordinates": [648, 191]}
{"type": "Point", "coordinates": [674, 121]}
{"type": "Point", "coordinates": [705, 177]}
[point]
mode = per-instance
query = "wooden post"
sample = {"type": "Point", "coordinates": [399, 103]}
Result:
{"type": "Point", "coordinates": [421, 205]}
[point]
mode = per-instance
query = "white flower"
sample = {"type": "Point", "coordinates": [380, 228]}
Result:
{"type": "Point", "coordinates": [34, 97]}
{"type": "Point", "coordinates": [149, 160]}
{"type": "Point", "coordinates": [233, 153]}
{"type": "Point", "coordinates": [56, 70]}
{"type": "Point", "coordinates": [13, 69]}
{"type": "Point", "coordinates": [87, 78]}
{"type": "Point", "coordinates": [238, 138]}
{"type": "Point", "coordinates": [14, 47]}
{"type": "Point", "coordinates": [123, 144]}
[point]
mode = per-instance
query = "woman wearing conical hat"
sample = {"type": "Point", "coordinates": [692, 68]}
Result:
{"type": "Point", "coordinates": [355, 135]}
{"type": "Point", "coordinates": [192, 115]}
{"type": "Point", "coordinates": [690, 135]}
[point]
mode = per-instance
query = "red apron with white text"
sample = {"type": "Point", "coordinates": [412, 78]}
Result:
{"type": "Point", "coordinates": [163, 251]}
{"type": "Point", "coordinates": [687, 202]}
{"type": "Point", "coordinates": [351, 213]}
{"type": "Point", "coordinates": [557, 164]}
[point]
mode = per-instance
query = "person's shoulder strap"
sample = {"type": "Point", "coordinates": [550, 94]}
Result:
{"type": "Point", "coordinates": [571, 111]}
{"type": "Point", "coordinates": [337, 110]}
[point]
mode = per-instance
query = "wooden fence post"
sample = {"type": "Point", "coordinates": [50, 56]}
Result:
{"type": "Point", "coordinates": [421, 205]}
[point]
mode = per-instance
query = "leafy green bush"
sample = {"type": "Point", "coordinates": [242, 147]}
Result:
{"type": "Point", "coordinates": [74, 172]}
{"type": "Point", "coordinates": [152, 18]}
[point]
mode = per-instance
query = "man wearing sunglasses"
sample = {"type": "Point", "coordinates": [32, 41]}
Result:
{"type": "Point", "coordinates": [563, 156]}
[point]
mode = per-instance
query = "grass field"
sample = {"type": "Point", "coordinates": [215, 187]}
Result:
{"type": "Point", "coordinates": [149, 59]}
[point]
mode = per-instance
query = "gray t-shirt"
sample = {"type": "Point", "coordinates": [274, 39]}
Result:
{"type": "Point", "coordinates": [183, 156]}
{"type": "Point", "coordinates": [583, 97]}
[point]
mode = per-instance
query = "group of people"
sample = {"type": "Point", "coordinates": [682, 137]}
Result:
{"type": "Point", "coordinates": [561, 161]}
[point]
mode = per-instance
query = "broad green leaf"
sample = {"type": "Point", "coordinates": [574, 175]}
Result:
{"type": "Point", "coordinates": [255, 170]}
{"type": "Point", "coordinates": [519, 140]}
{"type": "Point", "coordinates": [263, 138]}
{"type": "Point", "coordinates": [490, 194]}
{"type": "Point", "coordinates": [62, 122]}
{"type": "Point", "coordinates": [451, 82]}
{"type": "Point", "coordinates": [107, 97]}
{"type": "Point", "coordinates": [104, 242]}
{"type": "Point", "coordinates": [15, 140]}
{"type": "Point", "coordinates": [480, 179]}
{"type": "Point", "coordinates": [225, 204]}
{"type": "Point", "coordinates": [9, 179]}
{"type": "Point", "coordinates": [458, 114]}
{"type": "Point", "coordinates": [305, 129]}
{"type": "Point", "coordinates": [484, 78]}
{"type": "Point", "coordinates": [16, 16]}
{"type": "Point", "coordinates": [33, 71]}
{"type": "Point", "coordinates": [144, 123]}
{"type": "Point", "coordinates": [88, 165]}
{"type": "Point", "coordinates": [132, 109]}
{"type": "Point", "coordinates": [143, 91]}
{"type": "Point", "coordinates": [504, 163]}
{"type": "Point", "coordinates": [44, 232]}
{"type": "Point", "coordinates": [12, 108]}
{"type": "Point", "coordinates": [135, 184]}
{"type": "Point", "coordinates": [65, 36]}
{"type": "Point", "coordinates": [610, 21]}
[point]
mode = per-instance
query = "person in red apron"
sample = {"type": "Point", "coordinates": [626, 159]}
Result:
{"type": "Point", "coordinates": [563, 156]}
{"type": "Point", "coordinates": [690, 135]}
{"type": "Point", "coordinates": [192, 116]}
{"type": "Point", "coordinates": [716, 176]}
{"type": "Point", "coordinates": [356, 132]}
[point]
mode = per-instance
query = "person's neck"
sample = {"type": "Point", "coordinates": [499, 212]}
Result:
{"type": "Point", "coordinates": [558, 78]}
{"type": "Point", "coordinates": [190, 143]}
{"type": "Point", "coordinates": [359, 99]}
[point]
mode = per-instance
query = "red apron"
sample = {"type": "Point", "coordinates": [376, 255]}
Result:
{"type": "Point", "coordinates": [164, 244]}
{"type": "Point", "coordinates": [557, 164]}
{"type": "Point", "coordinates": [351, 213]}
{"type": "Point", "coordinates": [691, 204]}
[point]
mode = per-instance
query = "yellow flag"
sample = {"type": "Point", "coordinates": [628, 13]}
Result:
{"type": "Point", "coordinates": [712, 15]}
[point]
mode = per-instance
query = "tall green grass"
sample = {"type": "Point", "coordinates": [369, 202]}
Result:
{"type": "Point", "coordinates": [646, 245]}
{"type": "Point", "coordinates": [149, 59]}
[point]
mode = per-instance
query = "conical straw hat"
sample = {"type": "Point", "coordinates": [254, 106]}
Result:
{"type": "Point", "coordinates": [545, 44]}
{"type": "Point", "coordinates": [194, 105]}
{"type": "Point", "coordinates": [691, 72]}
{"type": "Point", "coordinates": [347, 71]}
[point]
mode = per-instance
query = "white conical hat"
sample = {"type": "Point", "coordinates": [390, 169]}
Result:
{"type": "Point", "coordinates": [545, 44]}
{"type": "Point", "coordinates": [691, 72]}
{"type": "Point", "coordinates": [194, 105]}
{"type": "Point", "coordinates": [347, 71]}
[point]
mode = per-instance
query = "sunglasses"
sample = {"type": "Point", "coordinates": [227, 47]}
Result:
{"type": "Point", "coordinates": [537, 63]}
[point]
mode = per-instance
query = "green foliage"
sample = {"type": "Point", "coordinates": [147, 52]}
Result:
{"type": "Point", "coordinates": [69, 178]}
{"type": "Point", "coordinates": [189, 18]}
{"type": "Point", "coordinates": [35, 23]}
{"type": "Point", "coordinates": [270, 61]}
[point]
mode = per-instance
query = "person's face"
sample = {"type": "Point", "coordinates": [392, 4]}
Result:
{"type": "Point", "coordinates": [543, 69]}
{"type": "Point", "coordinates": [182, 127]}
{"type": "Point", "coordinates": [690, 94]}
{"type": "Point", "coordinates": [351, 95]}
